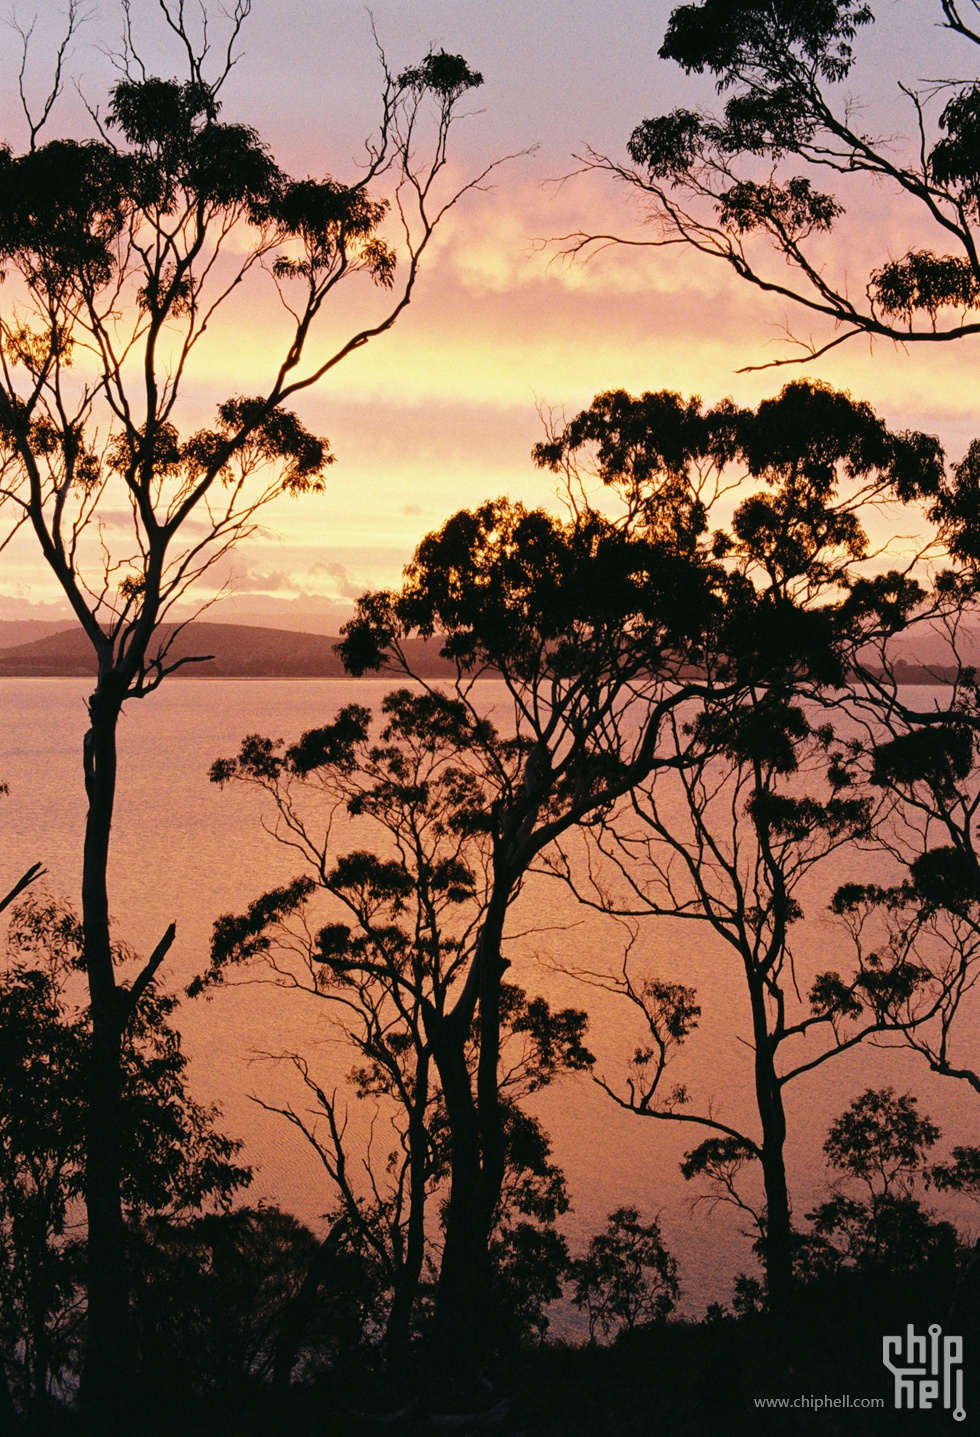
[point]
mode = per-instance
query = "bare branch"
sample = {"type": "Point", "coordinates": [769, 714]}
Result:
{"type": "Point", "coordinates": [35, 871]}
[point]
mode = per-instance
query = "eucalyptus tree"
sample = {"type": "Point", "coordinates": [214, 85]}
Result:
{"type": "Point", "coordinates": [626, 1277]}
{"type": "Point", "coordinates": [754, 789]}
{"type": "Point", "coordinates": [119, 251]}
{"type": "Point", "coordinates": [749, 186]}
{"type": "Point", "coordinates": [916, 749]}
{"type": "Point", "coordinates": [872, 1220]}
{"type": "Point", "coordinates": [381, 936]}
{"type": "Point", "coordinates": [745, 187]}
{"type": "Point", "coordinates": [610, 630]}
{"type": "Point", "coordinates": [588, 625]}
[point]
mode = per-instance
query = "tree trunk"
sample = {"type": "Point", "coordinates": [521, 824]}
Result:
{"type": "Point", "coordinates": [299, 1311]}
{"type": "Point", "coordinates": [398, 1331]}
{"type": "Point", "coordinates": [108, 1369]}
{"type": "Point", "coordinates": [463, 1321]}
{"type": "Point", "coordinates": [778, 1244]}
{"type": "Point", "coordinates": [462, 1289]}
{"type": "Point", "coordinates": [779, 1228]}
{"type": "Point", "coordinates": [488, 1068]}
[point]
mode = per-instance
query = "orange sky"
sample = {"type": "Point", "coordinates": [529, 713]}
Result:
{"type": "Point", "coordinates": [442, 412]}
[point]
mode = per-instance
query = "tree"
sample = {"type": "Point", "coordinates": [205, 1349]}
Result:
{"type": "Point", "coordinates": [752, 792]}
{"type": "Point", "coordinates": [175, 1159]}
{"type": "Point", "coordinates": [214, 1296]}
{"type": "Point", "coordinates": [422, 788]}
{"type": "Point", "coordinates": [879, 1145]}
{"type": "Point", "coordinates": [590, 624]}
{"type": "Point", "coordinates": [642, 649]}
{"type": "Point", "coordinates": [746, 186]}
{"type": "Point", "coordinates": [119, 250]}
{"type": "Point", "coordinates": [729, 842]}
{"type": "Point", "coordinates": [529, 1256]}
{"type": "Point", "coordinates": [920, 761]}
{"type": "Point", "coordinates": [626, 1277]}
{"type": "Point", "coordinates": [783, 67]}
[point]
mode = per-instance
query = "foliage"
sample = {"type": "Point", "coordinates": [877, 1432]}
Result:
{"type": "Point", "coordinates": [961, 1175]}
{"type": "Point", "coordinates": [626, 1277]}
{"type": "Point", "coordinates": [122, 244]}
{"type": "Point", "coordinates": [530, 1257]}
{"type": "Point", "coordinates": [175, 1160]}
{"type": "Point", "coordinates": [421, 779]}
{"type": "Point", "coordinates": [506, 586]}
{"type": "Point", "coordinates": [211, 1293]}
{"type": "Point", "coordinates": [750, 789]}
{"type": "Point", "coordinates": [917, 937]}
{"type": "Point", "coordinates": [720, 1163]}
{"type": "Point", "coordinates": [881, 1139]}
{"type": "Point", "coordinates": [879, 1144]}
{"type": "Point", "coordinates": [647, 655]}
{"type": "Point", "coordinates": [749, 184]}
{"type": "Point", "coordinates": [122, 248]}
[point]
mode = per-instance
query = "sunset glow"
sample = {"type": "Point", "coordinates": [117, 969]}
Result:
{"type": "Point", "coordinates": [442, 411]}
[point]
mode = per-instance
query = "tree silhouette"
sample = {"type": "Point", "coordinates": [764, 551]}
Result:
{"type": "Point", "coordinates": [627, 1276]}
{"type": "Point", "coordinates": [589, 624]}
{"type": "Point", "coordinates": [121, 249]}
{"type": "Point", "coordinates": [752, 792]}
{"type": "Point", "coordinates": [213, 1295]}
{"type": "Point", "coordinates": [175, 1160]}
{"type": "Point", "coordinates": [746, 186]}
{"type": "Point", "coordinates": [422, 787]}
{"type": "Point", "coordinates": [879, 1146]}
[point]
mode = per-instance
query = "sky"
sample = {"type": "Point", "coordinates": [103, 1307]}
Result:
{"type": "Point", "coordinates": [443, 411]}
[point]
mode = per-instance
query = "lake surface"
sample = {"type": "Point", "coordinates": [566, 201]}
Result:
{"type": "Point", "coordinates": [184, 849]}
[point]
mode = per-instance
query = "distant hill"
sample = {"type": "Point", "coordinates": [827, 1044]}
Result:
{"type": "Point", "coordinates": [237, 652]}
{"type": "Point", "coordinates": [14, 632]}
{"type": "Point", "coordinates": [244, 651]}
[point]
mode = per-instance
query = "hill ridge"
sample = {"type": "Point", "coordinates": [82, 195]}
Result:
{"type": "Point", "coordinates": [236, 650]}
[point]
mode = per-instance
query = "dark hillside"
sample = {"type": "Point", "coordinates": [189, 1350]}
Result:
{"type": "Point", "coordinates": [236, 651]}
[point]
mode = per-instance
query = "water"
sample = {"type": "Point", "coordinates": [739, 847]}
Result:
{"type": "Point", "coordinates": [184, 849]}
